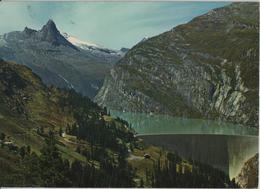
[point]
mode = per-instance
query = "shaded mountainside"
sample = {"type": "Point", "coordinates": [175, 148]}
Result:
{"type": "Point", "coordinates": [73, 126]}
{"type": "Point", "coordinates": [56, 60]}
{"type": "Point", "coordinates": [27, 104]}
{"type": "Point", "coordinates": [207, 68]}
{"type": "Point", "coordinates": [248, 177]}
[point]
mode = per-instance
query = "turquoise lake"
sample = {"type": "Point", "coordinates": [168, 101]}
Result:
{"type": "Point", "coordinates": [146, 124]}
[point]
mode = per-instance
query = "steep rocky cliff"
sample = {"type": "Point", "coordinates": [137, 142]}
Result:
{"type": "Point", "coordinates": [207, 68]}
{"type": "Point", "coordinates": [248, 177]}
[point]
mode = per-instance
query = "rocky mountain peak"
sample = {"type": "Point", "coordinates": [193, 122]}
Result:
{"type": "Point", "coordinates": [29, 31]}
{"type": "Point", "coordinates": [50, 23]}
{"type": "Point", "coordinates": [50, 27]}
{"type": "Point", "coordinates": [50, 33]}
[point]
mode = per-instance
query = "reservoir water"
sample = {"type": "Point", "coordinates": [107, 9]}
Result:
{"type": "Point", "coordinates": [225, 146]}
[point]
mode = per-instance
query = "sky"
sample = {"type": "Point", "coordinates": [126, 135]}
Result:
{"type": "Point", "coordinates": [109, 24]}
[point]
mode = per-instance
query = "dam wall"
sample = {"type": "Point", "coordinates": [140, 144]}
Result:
{"type": "Point", "coordinates": [227, 153]}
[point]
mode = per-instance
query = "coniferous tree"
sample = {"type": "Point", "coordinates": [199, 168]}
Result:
{"type": "Point", "coordinates": [2, 136]}
{"type": "Point", "coordinates": [52, 165]}
{"type": "Point", "coordinates": [22, 151]}
{"type": "Point", "coordinates": [60, 132]}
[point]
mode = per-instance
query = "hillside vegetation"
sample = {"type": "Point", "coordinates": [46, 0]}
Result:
{"type": "Point", "coordinates": [55, 138]}
{"type": "Point", "coordinates": [37, 122]}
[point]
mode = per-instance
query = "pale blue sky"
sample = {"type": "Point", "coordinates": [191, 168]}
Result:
{"type": "Point", "coordinates": [111, 24]}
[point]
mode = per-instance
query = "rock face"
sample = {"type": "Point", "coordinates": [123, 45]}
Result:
{"type": "Point", "coordinates": [248, 177]}
{"type": "Point", "coordinates": [207, 68]}
{"type": "Point", "coordinates": [50, 33]}
{"type": "Point", "coordinates": [56, 60]}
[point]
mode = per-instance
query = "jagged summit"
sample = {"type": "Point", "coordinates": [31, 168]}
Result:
{"type": "Point", "coordinates": [50, 24]}
{"type": "Point", "coordinates": [50, 28]}
{"type": "Point", "coordinates": [29, 31]}
{"type": "Point", "coordinates": [50, 33]}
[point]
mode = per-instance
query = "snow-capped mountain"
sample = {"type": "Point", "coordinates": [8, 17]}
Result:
{"type": "Point", "coordinates": [60, 60]}
{"type": "Point", "coordinates": [79, 43]}
{"type": "Point", "coordinates": [94, 48]}
{"type": "Point", "coordinates": [89, 46]}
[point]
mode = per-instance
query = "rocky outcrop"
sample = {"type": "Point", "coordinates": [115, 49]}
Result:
{"type": "Point", "coordinates": [207, 68]}
{"type": "Point", "coordinates": [248, 177]}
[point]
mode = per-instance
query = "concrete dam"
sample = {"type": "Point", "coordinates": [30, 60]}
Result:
{"type": "Point", "coordinates": [227, 153]}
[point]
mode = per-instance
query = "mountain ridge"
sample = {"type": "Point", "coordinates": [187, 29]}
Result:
{"type": "Point", "coordinates": [206, 68]}
{"type": "Point", "coordinates": [56, 60]}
